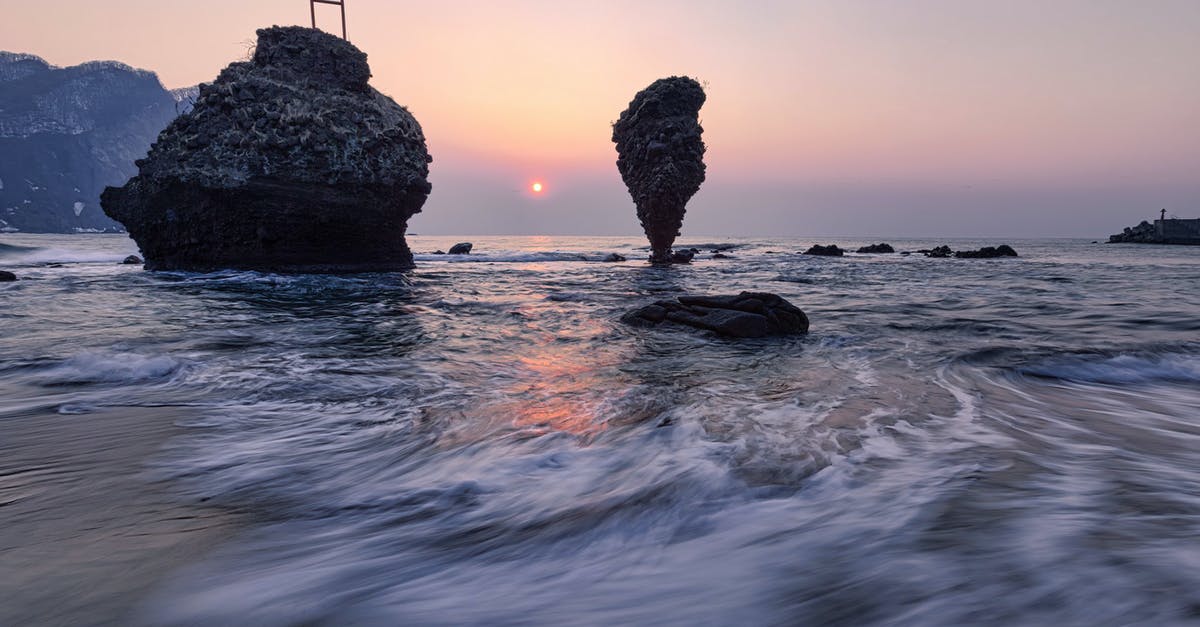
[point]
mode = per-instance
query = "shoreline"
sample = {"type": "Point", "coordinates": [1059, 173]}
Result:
{"type": "Point", "coordinates": [85, 537]}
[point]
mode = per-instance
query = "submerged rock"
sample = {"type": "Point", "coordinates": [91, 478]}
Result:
{"type": "Point", "coordinates": [831, 250]}
{"type": "Point", "coordinates": [614, 257]}
{"type": "Point", "coordinates": [461, 248]}
{"type": "Point", "coordinates": [749, 314]}
{"type": "Point", "coordinates": [287, 162]}
{"type": "Point", "coordinates": [6, 276]}
{"type": "Point", "coordinates": [132, 260]}
{"type": "Point", "coordinates": [660, 155]}
{"type": "Point", "coordinates": [987, 252]}
{"type": "Point", "coordinates": [874, 249]}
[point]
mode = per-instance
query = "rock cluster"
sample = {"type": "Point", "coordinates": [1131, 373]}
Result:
{"type": "Point", "coordinates": [874, 249]}
{"type": "Point", "coordinates": [831, 250]}
{"type": "Point", "coordinates": [749, 314]}
{"type": "Point", "coordinates": [660, 155]}
{"type": "Point", "coordinates": [987, 252]}
{"type": "Point", "coordinates": [1143, 233]}
{"type": "Point", "coordinates": [288, 162]}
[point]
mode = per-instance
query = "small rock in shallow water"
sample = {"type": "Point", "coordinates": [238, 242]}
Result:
{"type": "Point", "coordinates": [461, 248]}
{"type": "Point", "coordinates": [831, 250]}
{"type": "Point", "coordinates": [7, 276]}
{"type": "Point", "coordinates": [132, 260]}
{"type": "Point", "coordinates": [613, 257]}
{"type": "Point", "coordinates": [439, 252]}
{"type": "Point", "coordinates": [682, 256]}
{"type": "Point", "coordinates": [749, 314]}
{"type": "Point", "coordinates": [720, 256]}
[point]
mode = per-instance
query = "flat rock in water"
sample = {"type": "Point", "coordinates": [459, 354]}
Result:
{"type": "Point", "coordinates": [614, 258]}
{"type": "Point", "coordinates": [831, 250]}
{"type": "Point", "coordinates": [987, 252]}
{"type": "Point", "coordinates": [875, 249]}
{"type": "Point", "coordinates": [749, 314]}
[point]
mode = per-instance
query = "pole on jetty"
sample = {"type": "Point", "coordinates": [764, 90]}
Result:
{"type": "Point", "coordinates": [312, 8]}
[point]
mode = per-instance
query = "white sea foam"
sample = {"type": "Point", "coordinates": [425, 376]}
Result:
{"type": "Point", "coordinates": [104, 367]}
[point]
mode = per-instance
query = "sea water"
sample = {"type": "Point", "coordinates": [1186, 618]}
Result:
{"type": "Point", "coordinates": [481, 441]}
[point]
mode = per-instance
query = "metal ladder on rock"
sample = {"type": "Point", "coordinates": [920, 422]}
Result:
{"type": "Point", "coordinates": [312, 6]}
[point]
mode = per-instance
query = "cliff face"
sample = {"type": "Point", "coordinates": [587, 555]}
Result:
{"type": "Point", "coordinates": [66, 133]}
{"type": "Point", "coordinates": [288, 162]}
{"type": "Point", "coordinates": [661, 156]}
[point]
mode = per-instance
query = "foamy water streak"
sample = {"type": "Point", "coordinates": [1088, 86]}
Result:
{"type": "Point", "coordinates": [481, 442]}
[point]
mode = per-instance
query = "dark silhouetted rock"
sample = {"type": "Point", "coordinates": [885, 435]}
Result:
{"type": "Point", "coordinates": [289, 162]}
{"type": "Point", "coordinates": [721, 256]}
{"type": "Point", "coordinates": [749, 314]}
{"type": "Point", "coordinates": [614, 257]}
{"type": "Point", "coordinates": [1143, 233]}
{"type": "Point", "coordinates": [987, 252]}
{"type": "Point", "coordinates": [6, 276]}
{"type": "Point", "coordinates": [132, 260]}
{"type": "Point", "coordinates": [874, 249]}
{"type": "Point", "coordinates": [831, 250]}
{"type": "Point", "coordinates": [660, 155]}
{"type": "Point", "coordinates": [461, 248]}
{"type": "Point", "coordinates": [941, 252]}
{"type": "Point", "coordinates": [439, 252]}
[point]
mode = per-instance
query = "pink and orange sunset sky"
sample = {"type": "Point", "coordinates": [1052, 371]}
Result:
{"type": "Point", "coordinates": [914, 118]}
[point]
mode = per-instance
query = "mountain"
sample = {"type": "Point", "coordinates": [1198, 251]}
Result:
{"type": "Point", "coordinates": [66, 133]}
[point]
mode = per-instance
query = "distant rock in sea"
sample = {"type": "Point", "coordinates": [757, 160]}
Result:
{"type": "Point", "coordinates": [6, 276]}
{"type": "Point", "coordinates": [661, 157]}
{"type": "Point", "coordinates": [461, 248]}
{"type": "Point", "coordinates": [66, 133]}
{"type": "Point", "coordinates": [132, 260]}
{"type": "Point", "coordinates": [875, 249]}
{"type": "Point", "coordinates": [987, 252]}
{"type": "Point", "coordinates": [749, 314]}
{"type": "Point", "coordinates": [831, 250]}
{"type": "Point", "coordinates": [289, 162]}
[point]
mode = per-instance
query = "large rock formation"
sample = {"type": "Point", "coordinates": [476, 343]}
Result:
{"type": "Point", "coordinates": [66, 134]}
{"type": "Point", "coordinates": [661, 156]}
{"type": "Point", "coordinates": [288, 162]}
{"type": "Point", "coordinates": [749, 314]}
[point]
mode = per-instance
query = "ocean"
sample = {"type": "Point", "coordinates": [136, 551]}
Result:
{"type": "Point", "coordinates": [481, 441]}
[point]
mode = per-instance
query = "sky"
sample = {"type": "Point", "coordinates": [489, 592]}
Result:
{"type": "Point", "coordinates": [954, 118]}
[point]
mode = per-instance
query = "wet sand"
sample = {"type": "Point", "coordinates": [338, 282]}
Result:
{"type": "Point", "coordinates": [85, 535]}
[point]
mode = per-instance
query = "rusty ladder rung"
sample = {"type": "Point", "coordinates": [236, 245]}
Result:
{"type": "Point", "coordinates": [312, 7]}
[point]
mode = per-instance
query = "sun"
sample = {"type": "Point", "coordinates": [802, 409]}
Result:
{"type": "Point", "coordinates": [536, 187]}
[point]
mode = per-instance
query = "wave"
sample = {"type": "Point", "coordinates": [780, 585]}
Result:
{"type": "Point", "coordinates": [103, 367]}
{"type": "Point", "coordinates": [34, 256]}
{"type": "Point", "coordinates": [1121, 369]}
{"type": "Point", "coordinates": [512, 257]}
